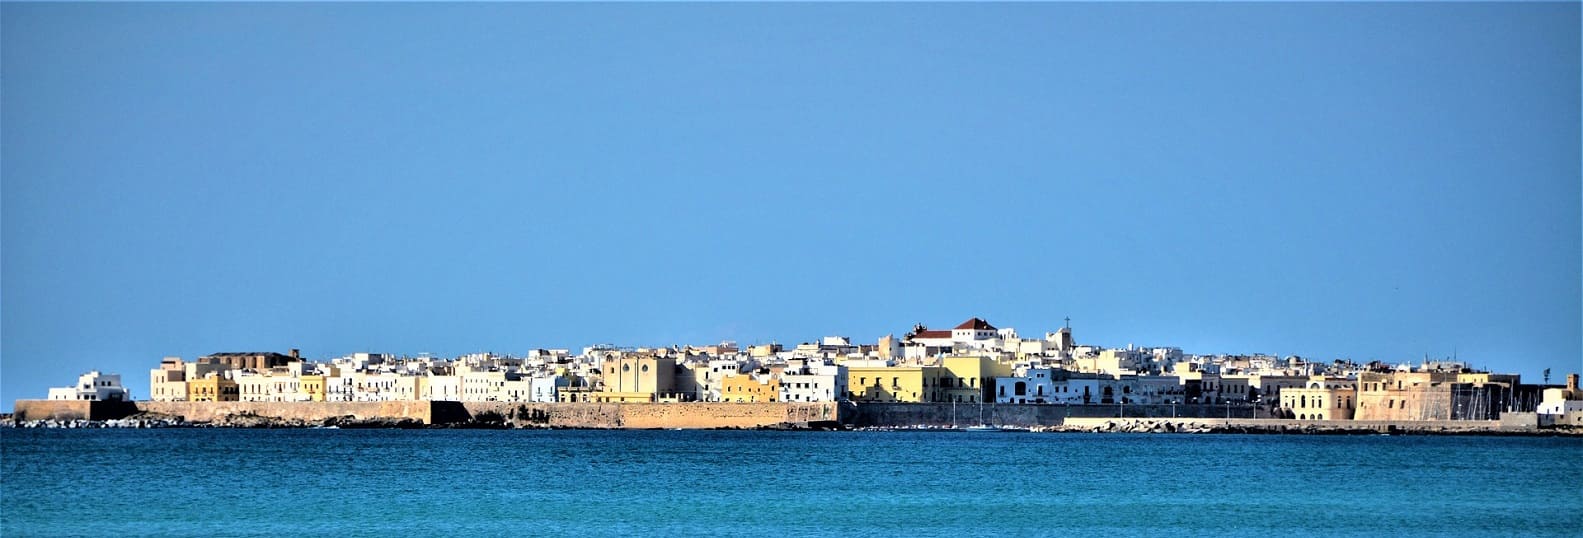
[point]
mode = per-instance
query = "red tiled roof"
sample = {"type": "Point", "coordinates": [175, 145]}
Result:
{"type": "Point", "coordinates": [976, 325]}
{"type": "Point", "coordinates": [932, 334]}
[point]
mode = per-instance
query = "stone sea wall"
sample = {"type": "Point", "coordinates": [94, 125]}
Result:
{"type": "Point", "coordinates": [498, 414]}
{"type": "Point", "coordinates": [1266, 425]}
{"type": "Point", "coordinates": [735, 415]}
{"type": "Point", "coordinates": [1023, 415]}
{"type": "Point", "coordinates": [292, 411]}
{"type": "Point", "coordinates": [691, 415]}
{"type": "Point", "coordinates": [71, 410]}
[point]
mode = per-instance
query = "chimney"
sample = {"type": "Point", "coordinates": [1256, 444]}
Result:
{"type": "Point", "coordinates": [1572, 381]}
{"type": "Point", "coordinates": [295, 354]}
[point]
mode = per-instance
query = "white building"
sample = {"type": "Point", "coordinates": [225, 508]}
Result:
{"type": "Point", "coordinates": [973, 330]}
{"type": "Point", "coordinates": [92, 386]}
{"type": "Point", "coordinates": [253, 388]}
{"type": "Point", "coordinates": [1565, 405]}
{"type": "Point", "coordinates": [338, 388]}
{"type": "Point", "coordinates": [815, 382]}
{"type": "Point", "coordinates": [547, 389]}
{"type": "Point", "coordinates": [1034, 385]}
{"type": "Point", "coordinates": [483, 386]}
{"type": "Point", "coordinates": [443, 388]}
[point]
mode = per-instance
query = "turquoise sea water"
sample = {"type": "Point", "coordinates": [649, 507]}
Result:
{"type": "Point", "coordinates": [750, 483]}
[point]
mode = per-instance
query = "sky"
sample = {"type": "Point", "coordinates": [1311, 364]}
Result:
{"type": "Point", "coordinates": [1333, 180]}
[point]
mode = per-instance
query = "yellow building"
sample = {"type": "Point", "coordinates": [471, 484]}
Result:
{"type": "Point", "coordinates": [748, 388]}
{"type": "Point", "coordinates": [212, 388]}
{"type": "Point", "coordinates": [637, 378]}
{"type": "Point", "coordinates": [313, 386]}
{"type": "Point", "coordinates": [969, 379]}
{"type": "Point", "coordinates": [893, 383]}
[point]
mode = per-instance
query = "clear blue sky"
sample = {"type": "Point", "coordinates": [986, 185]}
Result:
{"type": "Point", "coordinates": [1373, 181]}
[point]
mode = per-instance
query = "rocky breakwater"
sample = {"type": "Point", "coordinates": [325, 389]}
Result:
{"type": "Point", "coordinates": [1134, 426]}
{"type": "Point", "coordinates": [129, 422]}
{"type": "Point", "coordinates": [1209, 426]}
{"type": "Point", "coordinates": [245, 420]}
{"type": "Point", "coordinates": [240, 420]}
{"type": "Point", "coordinates": [1287, 426]}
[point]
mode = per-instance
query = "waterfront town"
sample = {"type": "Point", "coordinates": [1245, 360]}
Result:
{"type": "Point", "coordinates": [971, 364]}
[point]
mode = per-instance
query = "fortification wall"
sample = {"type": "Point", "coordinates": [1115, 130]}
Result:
{"type": "Point", "coordinates": [560, 415]}
{"type": "Point", "coordinates": [1295, 426]}
{"type": "Point", "coordinates": [1404, 405]}
{"type": "Point", "coordinates": [725, 415]}
{"type": "Point", "coordinates": [303, 411]}
{"type": "Point", "coordinates": [1024, 415]}
{"type": "Point", "coordinates": [71, 410]}
{"type": "Point", "coordinates": [690, 415]}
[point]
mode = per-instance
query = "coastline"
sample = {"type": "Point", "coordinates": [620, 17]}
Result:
{"type": "Point", "coordinates": [509, 421]}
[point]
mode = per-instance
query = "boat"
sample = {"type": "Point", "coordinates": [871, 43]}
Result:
{"type": "Point", "coordinates": [984, 428]}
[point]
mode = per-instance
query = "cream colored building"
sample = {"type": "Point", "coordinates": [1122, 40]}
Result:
{"type": "Point", "coordinates": [517, 390]}
{"type": "Point", "coordinates": [637, 378]}
{"type": "Point", "coordinates": [168, 383]}
{"type": "Point", "coordinates": [253, 388]}
{"type": "Point", "coordinates": [1322, 399]}
{"type": "Point", "coordinates": [483, 386]}
{"type": "Point", "coordinates": [1564, 405]}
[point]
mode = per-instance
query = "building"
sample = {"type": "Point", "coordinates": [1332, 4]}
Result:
{"type": "Point", "coordinates": [973, 330]}
{"type": "Point", "coordinates": [1033, 386]}
{"type": "Point", "coordinates": [1403, 395]}
{"type": "Point", "coordinates": [92, 386]}
{"type": "Point", "coordinates": [1113, 362]}
{"type": "Point", "coordinates": [969, 379]}
{"type": "Point", "coordinates": [893, 383]}
{"type": "Point", "coordinates": [253, 388]}
{"type": "Point", "coordinates": [637, 377]}
{"type": "Point", "coordinates": [213, 388]}
{"type": "Point", "coordinates": [547, 389]}
{"type": "Point", "coordinates": [441, 388]}
{"type": "Point", "coordinates": [1266, 389]}
{"type": "Point", "coordinates": [972, 334]}
{"type": "Point", "coordinates": [312, 387]}
{"type": "Point", "coordinates": [750, 388]}
{"type": "Point", "coordinates": [1322, 399]}
{"type": "Point", "coordinates": [482, 385]}
{"type": "Point", "coordinates": [814, 382]}
{"type": "Point", "coordinates": [254, 360]}
{"type": "Point", "coordinates": [168, 383]}
{"type": "Point", "coordinates": [1563, 405]}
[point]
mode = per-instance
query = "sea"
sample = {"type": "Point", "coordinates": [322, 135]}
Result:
{"type": "Point", "coordinates": [325, 482]}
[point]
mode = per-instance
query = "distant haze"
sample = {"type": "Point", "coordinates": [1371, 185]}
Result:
{"type": "Point", "coordinates": [1370, 181]}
